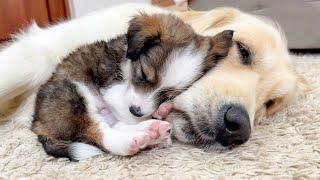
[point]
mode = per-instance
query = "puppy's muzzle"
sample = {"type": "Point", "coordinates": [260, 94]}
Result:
{"type": "Point", "coordinates": [234, 126]}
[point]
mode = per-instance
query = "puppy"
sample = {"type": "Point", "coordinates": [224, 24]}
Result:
{"type": "Point", "coordinates": [158, 58]}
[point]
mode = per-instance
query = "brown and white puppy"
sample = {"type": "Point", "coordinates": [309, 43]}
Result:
{"type": "Point", "coordinates": [158, 58]}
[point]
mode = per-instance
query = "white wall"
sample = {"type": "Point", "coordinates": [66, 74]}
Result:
{"type": "Point", "coordinates": [81, 7]}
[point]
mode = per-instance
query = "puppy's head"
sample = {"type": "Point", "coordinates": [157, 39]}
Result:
{"type": "Point", "coordinates": [165, 58]}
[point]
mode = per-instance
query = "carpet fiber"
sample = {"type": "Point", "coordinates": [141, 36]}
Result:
{"type": "Point", "coordinates": [286, 145]}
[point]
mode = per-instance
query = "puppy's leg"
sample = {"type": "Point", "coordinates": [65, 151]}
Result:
{"type": "Point", "coordinates": [163, 110]}
{"type": "Point", "coordinates": [101, 121]}
{"type": "Point", "coordinates": [95, 134]}
{"type": "Point", "coordinates": [158, 131]}
{"type": "Point", "coordinates": [122, 143]}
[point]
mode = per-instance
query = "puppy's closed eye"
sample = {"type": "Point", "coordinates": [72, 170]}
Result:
{"type": "Point", "coordinates": [141, 77]}
{"type": "Point", "coordinates": [144, 74]}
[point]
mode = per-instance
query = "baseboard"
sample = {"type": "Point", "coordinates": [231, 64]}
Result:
{"type": "Point", "coordinates": [305, 51]}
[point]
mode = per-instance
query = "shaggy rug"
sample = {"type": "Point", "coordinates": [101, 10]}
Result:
{"type": "Point", "coordinates": [285, 145]}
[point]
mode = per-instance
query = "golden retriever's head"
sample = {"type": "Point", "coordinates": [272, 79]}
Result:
{"type": "Point", "coordinates": [257, 78]}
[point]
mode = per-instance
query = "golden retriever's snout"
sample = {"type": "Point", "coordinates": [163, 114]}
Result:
{"type": "Point", "coordinates": [234, 126]}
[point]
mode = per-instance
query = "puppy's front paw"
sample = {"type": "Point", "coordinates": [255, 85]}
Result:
{"type": "Point", "coordinates": [163, 111]}
{"type": "Point", "coordinates": [158, 131]}
{"type": "Point", "coordinates": [161, 131]}
{"type": "Point", "coordinates": [138, 143]}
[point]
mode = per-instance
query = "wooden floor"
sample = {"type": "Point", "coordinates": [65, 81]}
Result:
{"type": "Point", "coordinates": [1, 43]}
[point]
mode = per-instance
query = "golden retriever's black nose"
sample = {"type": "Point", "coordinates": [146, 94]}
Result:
{"type": "Point", "coordinates": [136, 111]}
{"type": "Point", "coordinates": [234, 127]}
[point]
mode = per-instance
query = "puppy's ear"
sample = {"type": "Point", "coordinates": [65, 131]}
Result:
{"type": "Point", "coordinates": [144, 32]}
{"type": "Point", "coordinates": [220, 45]}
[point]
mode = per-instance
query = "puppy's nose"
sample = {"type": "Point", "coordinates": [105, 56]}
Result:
{"type": "Point", "coordinates": [235, 127]}
{"type": "Point", "coordinates": [136, 111]}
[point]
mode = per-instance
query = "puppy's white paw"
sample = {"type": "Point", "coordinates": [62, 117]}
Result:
{"type": "Point", "coordinates": [160, 132]}
{"type": "Point", "coordinates": [138, 143]}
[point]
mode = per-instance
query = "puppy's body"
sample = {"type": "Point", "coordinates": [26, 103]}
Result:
{"type": "Point", "coordinates": [61, 111]}
{"type": "Point", "coordinates": [138, 71]}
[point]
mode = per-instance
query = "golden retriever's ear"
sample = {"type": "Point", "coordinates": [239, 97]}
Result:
{"type": "Point", "coordinates": [300, 90]}
{"type": "Point", "coordinates": [204, 20]}
{"type": "Point", "coordinates": [189, 15]}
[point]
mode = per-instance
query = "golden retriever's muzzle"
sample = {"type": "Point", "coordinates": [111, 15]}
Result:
{"type": "Point", "coordinates": [226, 123]}
{"type": "Point", "coordinates": [233, 125]}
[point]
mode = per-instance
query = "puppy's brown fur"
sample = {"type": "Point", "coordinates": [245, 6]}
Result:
{"type": "Point", "coordinates": [60, 111]}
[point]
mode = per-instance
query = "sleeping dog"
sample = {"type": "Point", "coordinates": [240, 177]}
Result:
{"type": "Point", "coordinates": [159, 57]}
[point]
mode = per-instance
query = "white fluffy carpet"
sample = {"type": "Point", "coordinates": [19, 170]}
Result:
{"type": "Point", "coordinates": [286, 145]}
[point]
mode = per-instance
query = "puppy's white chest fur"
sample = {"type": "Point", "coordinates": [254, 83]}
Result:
{"type": "Point", "coordinates": [114, 97]}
